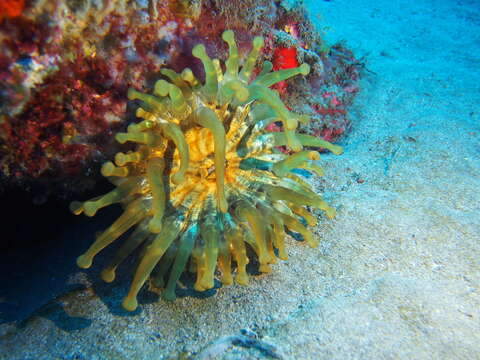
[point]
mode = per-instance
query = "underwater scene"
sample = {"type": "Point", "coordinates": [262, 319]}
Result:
{"type": "Point", "coordinates": [239, 179]}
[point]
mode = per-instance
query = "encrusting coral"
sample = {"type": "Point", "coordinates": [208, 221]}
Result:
{"type": "Point", "coordinates": [207, 180]}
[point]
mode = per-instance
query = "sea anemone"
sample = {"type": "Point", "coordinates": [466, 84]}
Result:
{"type": "Point", "coordinates": [206, 184]}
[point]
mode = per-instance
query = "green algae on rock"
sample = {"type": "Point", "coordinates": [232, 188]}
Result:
{"type": "Point", "coordinates": [207, 180]}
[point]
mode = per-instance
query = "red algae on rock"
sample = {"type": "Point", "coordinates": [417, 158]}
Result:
{"type": "Point", "coordinates": [284, 58]}
{"type": "Point", "coordinates": [11, 8]}
{"type": "Point", "coordinates": [66, 67]}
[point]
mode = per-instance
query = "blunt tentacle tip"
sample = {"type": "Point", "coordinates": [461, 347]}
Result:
{"type": "Point", "coordinates": [130, 304]}
{"type": "Point", "coordinates": [108, 275]}
{"type": "Point", "coordinates": [84, 262]}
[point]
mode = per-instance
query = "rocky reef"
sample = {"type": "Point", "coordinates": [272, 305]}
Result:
{"type": "Point", "coordinates": [66, 67]}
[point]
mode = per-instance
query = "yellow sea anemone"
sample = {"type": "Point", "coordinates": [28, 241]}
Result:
{"type": "Point", "coordinates": [206, 180]}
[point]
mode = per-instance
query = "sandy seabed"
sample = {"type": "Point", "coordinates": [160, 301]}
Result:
{"type": "Point", "coordinates": [397, 273]}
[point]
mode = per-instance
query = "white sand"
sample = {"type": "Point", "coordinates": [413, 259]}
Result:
{"type": "Point", "coordinates": [397, 274]}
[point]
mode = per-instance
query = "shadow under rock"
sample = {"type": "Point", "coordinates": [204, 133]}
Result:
{"type": "Point", "coordinates": [55, 312]}
{"type": "Point", "coordinates": [38, 251]}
